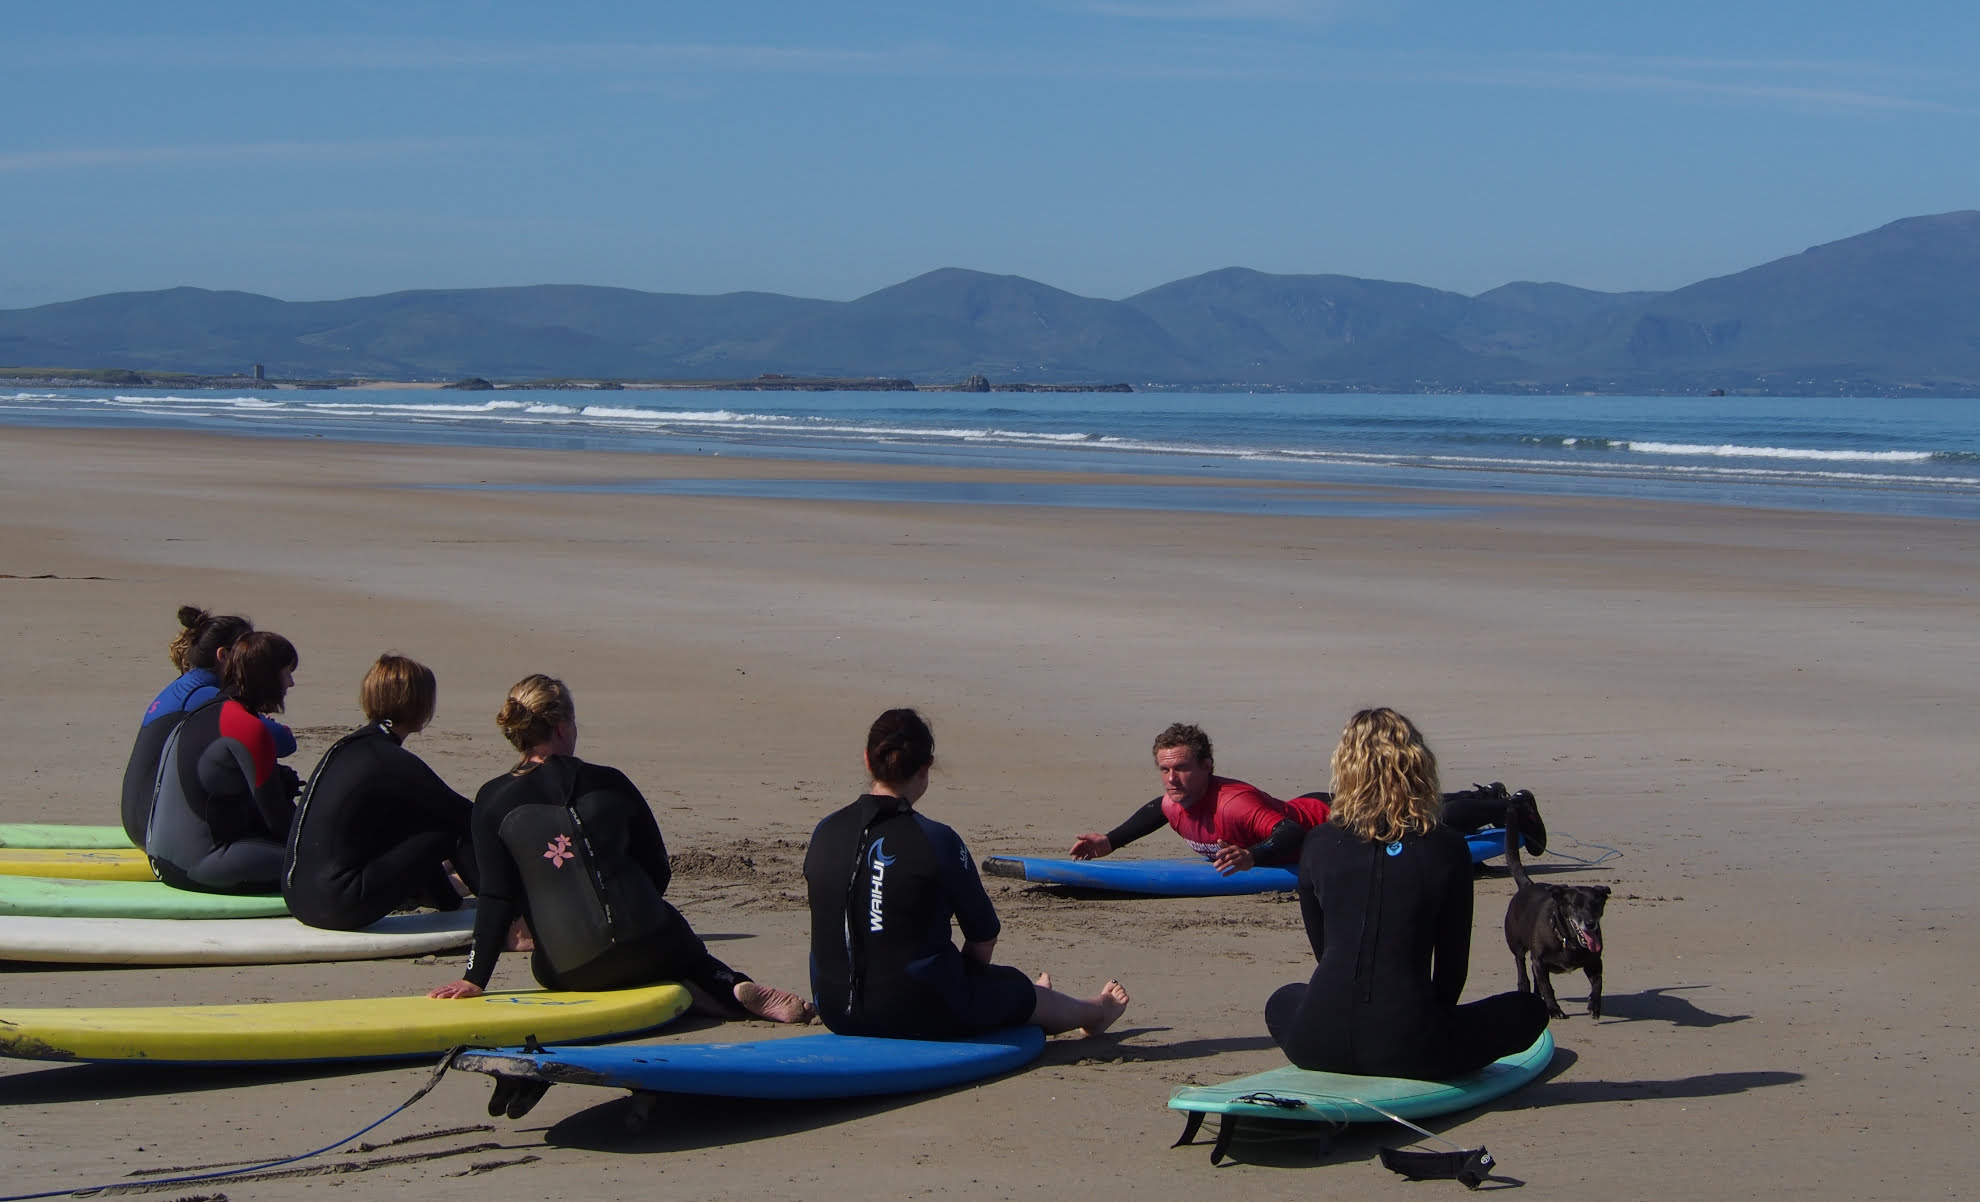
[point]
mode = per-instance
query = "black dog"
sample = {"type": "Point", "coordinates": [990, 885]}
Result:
{"type": "Point", "coordinates": [1558, 926]}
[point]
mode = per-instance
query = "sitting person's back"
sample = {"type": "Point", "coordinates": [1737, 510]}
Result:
{"type": "Point", "coordinates": [884, 884]}
{"type": "Point", "coordinates": [1385, 892]}
{"type": "Point", "coordinates": [377, 828]}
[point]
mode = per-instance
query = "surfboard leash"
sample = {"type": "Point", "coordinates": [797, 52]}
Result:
{"type": "Point", "coordinates": [433, 1079]}
{"type": "Point", "coordinates": [1467, 1166]}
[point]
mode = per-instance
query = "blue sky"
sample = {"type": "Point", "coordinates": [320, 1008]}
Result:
{"type": "Point", "coordinates": [827, 149]}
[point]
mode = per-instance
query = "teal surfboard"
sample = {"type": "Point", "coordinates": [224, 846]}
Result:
{"type": "Point", "coordinates": [61, 834]}
{"type": "Point", "coordinates": [1303, 1095]}
{"type": "Point", "coordinates": [75, 897]}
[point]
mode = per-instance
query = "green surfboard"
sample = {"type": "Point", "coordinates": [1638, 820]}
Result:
{"type": "Point", "coordinates": [61, 834]}
{"type": "Point", "coordinates": [74, 897]}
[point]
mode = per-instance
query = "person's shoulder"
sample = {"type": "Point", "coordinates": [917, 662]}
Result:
{"type": "Point", "coordinates": [1448, 842]}
{"type": "Point", "coordinates": [1230, 788]}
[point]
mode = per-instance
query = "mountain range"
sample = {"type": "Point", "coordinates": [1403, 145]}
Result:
{"type": "Point", "coordinates": [1892, 311]}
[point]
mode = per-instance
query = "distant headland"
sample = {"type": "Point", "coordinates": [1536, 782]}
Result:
{"type": "Point", "coordinates": [1889, 312]}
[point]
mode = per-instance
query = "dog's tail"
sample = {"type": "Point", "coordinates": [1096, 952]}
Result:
{"type": "Point", "coordinates": [1512, 849]}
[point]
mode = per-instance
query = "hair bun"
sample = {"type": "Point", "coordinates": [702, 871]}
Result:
{"type": "Point", "coordinates": [192, 617]}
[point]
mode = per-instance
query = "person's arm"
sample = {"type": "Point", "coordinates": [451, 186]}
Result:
{"type": "Point", "coordinates": [1309, 900]}
{"type": "Point", "coordinates": [1451, 961]}
{"type": "Point", "coordinates": [272, 791]}
{"type": "Point", "coordinates": [414, 784]}
{"type": "Point", "coordinates": [1144, 821]}
{"type": "Point", "coordinates": [955, 872]}
{"type": "Point", "coordinates": [501, 886]}
{"type": "Point", "coordinates": [1284, 840]}
{"type": "Point", "coordinates": [1248, 820]}
{"type": "Point", "coordinates": [643, 841]}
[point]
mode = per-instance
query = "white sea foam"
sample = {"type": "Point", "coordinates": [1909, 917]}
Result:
{"type": "Point", "coordinates": [1739, 452]}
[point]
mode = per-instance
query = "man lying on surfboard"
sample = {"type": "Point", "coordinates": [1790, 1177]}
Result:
{"type": "Point", "coordinates": [1238, 827]}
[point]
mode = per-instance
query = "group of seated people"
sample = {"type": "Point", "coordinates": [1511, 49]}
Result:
{"type": "Point", "coordinates": [566, 862]}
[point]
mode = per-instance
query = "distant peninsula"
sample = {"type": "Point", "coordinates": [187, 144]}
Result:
{"type": "Point", "coordinates": [1891, 312]}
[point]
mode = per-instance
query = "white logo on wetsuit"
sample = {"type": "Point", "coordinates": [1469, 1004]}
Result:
{"type": "Point", "coordinates": [875, 920]}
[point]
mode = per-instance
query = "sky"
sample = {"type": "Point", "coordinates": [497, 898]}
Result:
{"type": "Point", "coordinates": [828, 149]}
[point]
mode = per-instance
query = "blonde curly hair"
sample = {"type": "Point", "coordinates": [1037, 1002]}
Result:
{"type": "Point", "coordinates": [1385, 778]}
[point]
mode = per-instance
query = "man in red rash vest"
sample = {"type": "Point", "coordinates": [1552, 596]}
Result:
{"type": "Point", "coordinates": [1228, 822]}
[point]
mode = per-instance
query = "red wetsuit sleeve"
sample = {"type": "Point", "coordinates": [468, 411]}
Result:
{"type": "Point", "coordinates": [242, 725]}
{"type": "Point", "coordinates": [1246, 816]}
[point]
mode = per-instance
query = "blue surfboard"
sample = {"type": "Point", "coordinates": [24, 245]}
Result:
{"type": "Point", "coordinates": [804, 1067]}
{"type": "Point", "coordinates": [1179, 878]}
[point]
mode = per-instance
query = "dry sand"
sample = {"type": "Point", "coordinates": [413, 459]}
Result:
{"type": "Point", "coordinates": [1769, 714]}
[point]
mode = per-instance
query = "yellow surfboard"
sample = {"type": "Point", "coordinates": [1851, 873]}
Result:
{"type": "Point", "coordinates": [86, 863]}
{"type": "Point", "coordinates": [339, 1029]}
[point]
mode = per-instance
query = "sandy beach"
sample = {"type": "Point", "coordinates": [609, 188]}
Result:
{"type": "Point", "coordinates": [1768, 713]}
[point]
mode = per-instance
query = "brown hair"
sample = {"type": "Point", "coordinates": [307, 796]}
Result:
{"type": "Point", "coordinates": [536, 706]}
{"type": "Point", "coordinates": [1185, 734]}
{"type": "Point", "coordinates": [253, 670]}
{"type": "Point", "coordinates": [1385, 778]}
{"type": "Point", "coordinates": [201, 635]}
{"type": "Point", "coordinates": [400, 691]}
{"type": "Point", "coordinates": [899, 746]}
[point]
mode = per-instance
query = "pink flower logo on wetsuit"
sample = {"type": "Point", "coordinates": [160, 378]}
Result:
{"type": "Point", "coordinates": [560, 850]}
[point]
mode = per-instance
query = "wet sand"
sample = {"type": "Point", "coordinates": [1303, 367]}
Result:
{"type": "Point", "coordinates": [1767, 713]}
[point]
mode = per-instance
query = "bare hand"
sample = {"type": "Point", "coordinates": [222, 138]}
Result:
{"type": "Point", "coordinates": [457, 989]}
{"type": "Point", "coordinates": [1091, 847]}
{"type": "Point", "coordinates": [1231, 858]}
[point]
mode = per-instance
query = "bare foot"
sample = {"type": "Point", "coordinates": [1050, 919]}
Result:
{"type": "Point", "coordinates": [777, 1005]}
{"type": "Point", "coordinates": [1044, 980]}
{"type": "Point", "coordinates": [1112, 1001]}
{"type": "Point", "coordinates": [521, 938]}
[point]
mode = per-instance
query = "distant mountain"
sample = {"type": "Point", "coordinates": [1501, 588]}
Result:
{"type": "Point", "coordinates": [1893, 310]}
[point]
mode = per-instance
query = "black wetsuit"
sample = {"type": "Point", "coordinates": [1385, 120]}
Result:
{"type": "Point", "coordinates": [1391, 927]}
{"type": "Point", "coordinates": [221, 815]}
{"type": "Point", "coordinates": [370, 834]}
{"type": "Point", "coordinates": [573, 847]}
{"type": "Point", "coordinates": [884, 883]}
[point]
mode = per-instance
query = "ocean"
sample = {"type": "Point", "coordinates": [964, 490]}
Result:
{"type": "Point", "coordinates": [1905, 456]}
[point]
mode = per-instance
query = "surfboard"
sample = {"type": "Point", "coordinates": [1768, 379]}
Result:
{"type": "Point", "coordinates": [87, 863]}
{"type": "Point", "coordinates": [335, 1029]}
{"type": "Point", "coordinates": [1303, 1095]}
{"type": "Point", "coordinates": [61, 834]}
{"type": "Point", "coordinates": [226, 940]}
{"type": "Point", "coordinates": [1179, 878]}
{"type": "Point", "coordinates": [75, 897]}
{"type": "Point", "coordinates": [804, 1067]}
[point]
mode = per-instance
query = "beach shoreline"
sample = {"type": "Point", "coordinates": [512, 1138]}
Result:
{"type": "Point", "coordinates": [1764, 710]}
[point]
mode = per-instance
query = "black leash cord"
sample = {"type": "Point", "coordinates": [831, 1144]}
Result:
{"type": "Point", "coordinates": [439, 1071]}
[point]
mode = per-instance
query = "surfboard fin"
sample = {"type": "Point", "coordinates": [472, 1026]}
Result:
{"type": "Point", "coordinates": [1467, 1166]}
{"type": "Point", "coordinates": [516, 1096]}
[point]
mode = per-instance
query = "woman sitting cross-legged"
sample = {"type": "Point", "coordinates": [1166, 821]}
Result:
{"type": "Point", "coordinates": [884, 883]}
{"type": "Point", "coordinates": [573, 848]}
{"type": "Point", "coordinates": [1385, 891]}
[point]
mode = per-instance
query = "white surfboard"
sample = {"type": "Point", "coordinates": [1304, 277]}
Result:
{"type": "Point", "coordinates": [226, 940]}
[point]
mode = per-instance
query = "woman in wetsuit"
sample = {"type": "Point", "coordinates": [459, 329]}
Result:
{"type": "Point", "coordinates": [884, 882]}
{"type": "Point", "coordinates": [1385, 890]}
{"type": "Point", "coordinates": [220, 819]}
{"type": "Point", "coordinates": [377, 829]}
{"type": "Point", "coordinates": [202, 643]}
{"type": "Point", "coordinates": [573, 848]}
